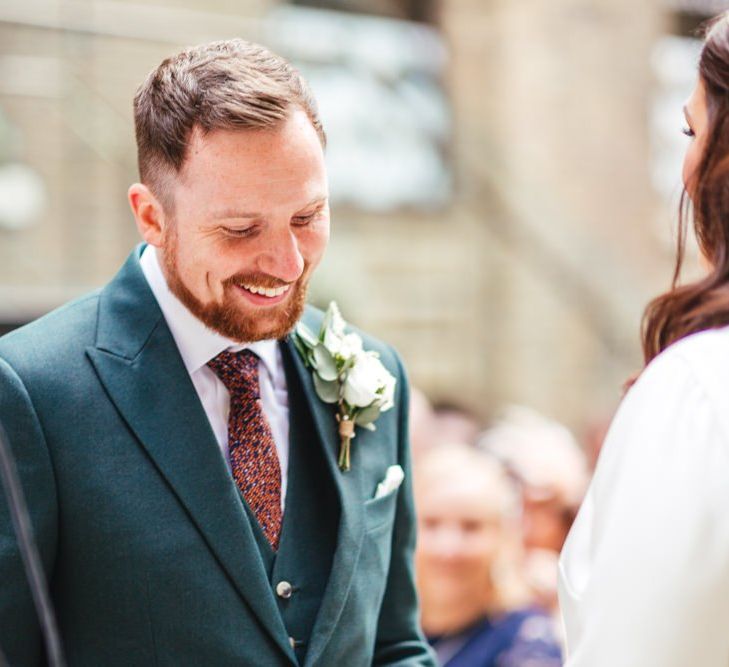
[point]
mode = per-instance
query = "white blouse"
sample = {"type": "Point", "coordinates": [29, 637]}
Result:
{"type": "Point", "coordinates": [644, 574]}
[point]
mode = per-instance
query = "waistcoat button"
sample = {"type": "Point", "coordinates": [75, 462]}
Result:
{"type": "Point", "coordinates": [284, 589]}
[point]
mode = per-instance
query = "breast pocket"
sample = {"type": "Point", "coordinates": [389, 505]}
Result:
{"type": "Point", "coordinates": [380, 512]}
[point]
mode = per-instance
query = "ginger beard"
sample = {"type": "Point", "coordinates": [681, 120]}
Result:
{"type": "Point", "coordinates": [227, 317]}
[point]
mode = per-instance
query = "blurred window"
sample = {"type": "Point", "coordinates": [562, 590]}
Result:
{"type": "Point", "coordinates": [688, 15]}
{"type": "Point", "coordinates": [412, 10]}
{"type": "Point", "coordinates": [379, 84]}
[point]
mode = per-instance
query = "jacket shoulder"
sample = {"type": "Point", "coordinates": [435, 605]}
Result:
{"type": "Point", "coordinates": [53, 337]}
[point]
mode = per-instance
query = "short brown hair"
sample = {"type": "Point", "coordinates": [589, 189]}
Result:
{"type": "Point", "coordinates": [231, 84]}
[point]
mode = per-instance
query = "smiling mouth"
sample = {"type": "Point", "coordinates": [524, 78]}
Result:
{"type": "Point", "coordinates": [270, 292]}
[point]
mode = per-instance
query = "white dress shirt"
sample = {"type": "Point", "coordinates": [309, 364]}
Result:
{"type": "Point", "coordinates": [198, 345]}
{"type": "Point", "coordinates": [644, 574]}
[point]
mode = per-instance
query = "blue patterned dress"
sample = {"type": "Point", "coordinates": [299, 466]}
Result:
{"type": "Point", "coordinates": [523, 638]}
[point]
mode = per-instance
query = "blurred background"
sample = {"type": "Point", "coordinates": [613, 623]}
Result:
{"type": "Point", "coordinates": [504, 175]}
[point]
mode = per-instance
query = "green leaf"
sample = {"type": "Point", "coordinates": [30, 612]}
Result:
{"type": "Point", "coordinates": [366, 416]}
{"type": "Point", "coordinates": [326, 391]}
{"type": "Point", "coordinates": [348, 364]}
{"type": "Point", "coordinates": [302, 349]}
{"type": "Point", "coordinates": [326, 366]}
{"type": "Point", "coordinates": [327, 321]}
{"type": "Point", "coordinates": [306, 335]}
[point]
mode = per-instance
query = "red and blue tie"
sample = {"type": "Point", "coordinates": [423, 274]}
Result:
{"type": "Point", "coordinates": [253, 459]}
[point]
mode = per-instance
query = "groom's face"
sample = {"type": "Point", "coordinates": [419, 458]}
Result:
{"type": "Point", "coordinates": [250, 224]}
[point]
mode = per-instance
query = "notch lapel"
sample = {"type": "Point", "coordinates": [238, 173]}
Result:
{"type": "Point", "coordinates": [351, 522]}
{"type": "Point", "coordinates": [138, 363]}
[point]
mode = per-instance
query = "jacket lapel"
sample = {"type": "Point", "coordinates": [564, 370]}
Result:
{"type": "Point", "coordinates": [349, 491]}
{"type": "Point", "coordinates": [139, 365]}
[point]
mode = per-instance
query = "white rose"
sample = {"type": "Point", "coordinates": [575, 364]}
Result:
{"type": "Point", "coordinates": [387, 398]}
{"type": "Point", "coordinates": [345, 346]}
{"type": "Point", "coordinates": [337, 322]}
{"type": "Point", "coordinates": [364, 379]}
{"type": "Point", "coordinates": [351, 346]}
{"type": "Point", "coordinates": [333, 341]}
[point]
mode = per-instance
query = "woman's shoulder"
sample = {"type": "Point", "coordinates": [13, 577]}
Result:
{"type": "Point", "coordinates": [709, 347]}
{"type": "Point", "coordinates": [678, 409]}
{"type": "Point", "coordinates": [694, 370]}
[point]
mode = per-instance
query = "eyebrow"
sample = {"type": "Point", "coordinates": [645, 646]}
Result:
{"type": "Point", "coordinates": [237, 213]}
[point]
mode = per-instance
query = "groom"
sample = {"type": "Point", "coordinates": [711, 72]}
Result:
{"type": "Point", "coordinates": [180, 470]}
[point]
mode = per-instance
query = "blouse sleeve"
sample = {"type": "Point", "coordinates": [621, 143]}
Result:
{"type": "Point", "coordinates": [644, 575]}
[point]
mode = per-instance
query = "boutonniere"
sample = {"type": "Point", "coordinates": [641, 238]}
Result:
{"type": "Point", "coordinates": [347, 375]}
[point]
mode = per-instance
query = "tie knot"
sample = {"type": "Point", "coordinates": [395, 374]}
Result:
{"type": "Point", "coordinates": [238, 371]}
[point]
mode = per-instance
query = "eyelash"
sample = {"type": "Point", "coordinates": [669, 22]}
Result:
{"type": "Point", "coordinates": [688, 132]}
{"type": "Point", "coordinates": [299, 221]}
{"type": "Point", "coordinates": [303, 220]}
{"type": "Point", "coordinates": [238, 233]}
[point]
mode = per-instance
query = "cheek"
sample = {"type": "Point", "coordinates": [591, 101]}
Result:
{"type": "Point", "coordinates": [202, 266]}
{"type": "Point", "coordinates": [691, 163]}
{"type": "Point", "coordinates": [313, 242]}
{"type": "Point", "coordinates": [687, 168]}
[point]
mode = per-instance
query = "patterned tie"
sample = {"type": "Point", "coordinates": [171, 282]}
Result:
{"type": "Point", "coordinates": [253, 459]}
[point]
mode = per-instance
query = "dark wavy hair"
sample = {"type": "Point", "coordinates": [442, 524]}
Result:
{"type": "Point", "coordinates": [687, 309]}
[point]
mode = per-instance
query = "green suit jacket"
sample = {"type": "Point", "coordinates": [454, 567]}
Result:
{"type": "Point", "coordinates": [149, 552]}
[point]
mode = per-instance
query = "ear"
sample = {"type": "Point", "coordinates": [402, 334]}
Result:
{"type": "Point", "coordinates": [148, 213]}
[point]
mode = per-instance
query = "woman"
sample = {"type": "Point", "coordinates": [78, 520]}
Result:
{"type": "Point", "coordinates": [475, 608]}
{"type": "Point", "coordinates": [645, 571]}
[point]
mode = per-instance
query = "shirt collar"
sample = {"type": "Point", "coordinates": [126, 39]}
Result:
{"type": "Point", "coordinates": [196, 342]}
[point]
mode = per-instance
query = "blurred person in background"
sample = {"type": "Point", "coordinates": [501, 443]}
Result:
{"type": "Point", "coordinates": [476, 609]}
{"type": "Point", "coordinates": [645, 570]}
{"type": "Point", "coordinates": [440, 423]}
{"type": "Point", "coordinates": [455, 423]}
{"type": "Point", "coordinates": [421, 423]}
{"type": "Point", "coordinates": [552, 475]}
{"type": "Point", "coordinates": [593, 438]}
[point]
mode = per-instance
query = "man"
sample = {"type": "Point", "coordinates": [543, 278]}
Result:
{"type": "Point", "coordinates": [180, 470]}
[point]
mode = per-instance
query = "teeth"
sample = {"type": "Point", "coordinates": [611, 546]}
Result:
{"type": "Point", "coordinates": [267, 291]}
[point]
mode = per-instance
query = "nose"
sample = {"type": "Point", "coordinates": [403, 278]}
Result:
{"type": "Point", "coordinates": [282, 258]}
{"type": "Point", "coordinates": [443, 543]}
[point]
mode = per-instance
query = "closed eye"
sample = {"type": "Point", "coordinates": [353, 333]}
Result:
{"type": "Point", "coordinates": [688, 132]}
{"type": "Point", "coordinates": [238, 233]}
{"type": "Point", "coordinates": [303, 220]}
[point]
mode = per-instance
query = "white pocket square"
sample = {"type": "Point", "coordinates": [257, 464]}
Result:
{"type": "Point", "coordinates": [393, 478]}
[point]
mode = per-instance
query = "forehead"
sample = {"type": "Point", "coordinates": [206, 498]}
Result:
{"type": "Point", "coordinates": [465, 498]}
{"type": "Point", "coordinates": [271, 165]}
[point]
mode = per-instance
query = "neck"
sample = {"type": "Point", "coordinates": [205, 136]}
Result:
{"type": "Point", "coordinates": [451, 614]}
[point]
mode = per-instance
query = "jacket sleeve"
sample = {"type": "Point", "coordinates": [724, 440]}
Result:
{"type": "Point", "coordinates": [399, 638]}
{"type": "Point", "coordinates": [20, 638]}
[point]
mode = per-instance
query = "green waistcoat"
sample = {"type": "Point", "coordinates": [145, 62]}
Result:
{"type": "Point", "coordinates": [311, 516]}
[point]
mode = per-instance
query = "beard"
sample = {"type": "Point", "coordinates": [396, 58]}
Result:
{"type": "Point", "coordinates": [227, 317]}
